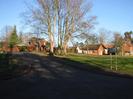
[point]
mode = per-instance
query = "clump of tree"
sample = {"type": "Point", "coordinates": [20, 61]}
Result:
{"type": "Point", "coordinates": [9, 38]}
{"type": "Point", "coordinates": [60, 20]}
{"type": "Point", "coordinates": [118, 42]}
{"type": "Point", "coordinates": [104, 36]}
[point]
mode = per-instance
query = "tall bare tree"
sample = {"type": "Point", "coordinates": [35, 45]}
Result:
{"type": "Point", "coordinates": [77, 21]}
{"type": "Point", "coordinates": [41, 16]}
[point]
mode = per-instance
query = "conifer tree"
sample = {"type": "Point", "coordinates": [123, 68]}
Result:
{"type": "Point", "coordinates": [13, 39]}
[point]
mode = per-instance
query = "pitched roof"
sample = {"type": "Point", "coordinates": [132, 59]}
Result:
{"type": "Point", "coordinates": [109, 45]}
{"type": "Point", "coordinates": [93, 47]}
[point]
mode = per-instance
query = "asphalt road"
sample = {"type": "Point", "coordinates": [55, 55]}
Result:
{"type": "Point", "coordinates": [54, 78]}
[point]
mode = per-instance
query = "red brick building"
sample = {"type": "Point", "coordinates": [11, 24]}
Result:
{"type": "Point", "coordinates": [96, 49]}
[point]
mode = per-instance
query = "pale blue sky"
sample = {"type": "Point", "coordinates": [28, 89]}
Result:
{"type": "Point", "coordinates": [113, 15]}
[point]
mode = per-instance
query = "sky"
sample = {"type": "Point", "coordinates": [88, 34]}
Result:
{"type": "Point", "coordinates": [112, 15]}
{"type": "Point", "coordinates": [10, 12]}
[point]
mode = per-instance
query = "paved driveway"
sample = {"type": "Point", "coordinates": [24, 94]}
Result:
{"type": "Point", "coordinates": [54, 78]}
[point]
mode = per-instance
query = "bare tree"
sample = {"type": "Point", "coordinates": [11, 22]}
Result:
{"type": "Point", "coordinates": [6, 32]}
{"type": "Point", "coordinates": [41, 17]}
{"type": "Point", "coordinates": [74, 21]}
{"type": "Point", "coordinates": [102, 36]}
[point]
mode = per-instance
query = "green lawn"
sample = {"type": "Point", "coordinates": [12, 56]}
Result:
{"type": "Point", "coordinates": [124, 63]}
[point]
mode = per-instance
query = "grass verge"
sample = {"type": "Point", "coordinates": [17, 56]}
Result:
{"type": "Point", "coordinates": [123, 63]}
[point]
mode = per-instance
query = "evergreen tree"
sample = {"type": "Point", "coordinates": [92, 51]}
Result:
{"type": "Point", "coordinates": [13, 39]}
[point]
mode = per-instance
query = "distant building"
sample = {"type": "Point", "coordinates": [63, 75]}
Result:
{"type": "Point", "coordinates": [96, 49]}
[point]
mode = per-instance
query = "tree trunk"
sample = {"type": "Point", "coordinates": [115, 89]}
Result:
{"type": "Point", "coordinates": [51, 44]}
{"type": "Point", "coordinates": [65, 48]}
{"type": "Point", "coordinates": [51, 36]}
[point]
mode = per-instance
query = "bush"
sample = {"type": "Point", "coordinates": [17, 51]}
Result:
{"type": "Point", "coordinates": [23, 49]}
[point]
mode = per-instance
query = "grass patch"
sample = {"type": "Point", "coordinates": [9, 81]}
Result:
{"type": "Point", "coordinates": [124, 63]}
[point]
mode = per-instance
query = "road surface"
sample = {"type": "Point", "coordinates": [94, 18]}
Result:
{"type": "Point", "coordinates": [54, 78]}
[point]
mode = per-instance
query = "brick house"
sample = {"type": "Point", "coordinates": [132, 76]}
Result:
{"type": "Point", "coordinates": [96, 49]}
{"type": "Point", "coordinates": [37, 44]}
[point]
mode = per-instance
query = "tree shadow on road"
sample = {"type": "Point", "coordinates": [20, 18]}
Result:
{"type": "Point", "coordinates": [60, 78]}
